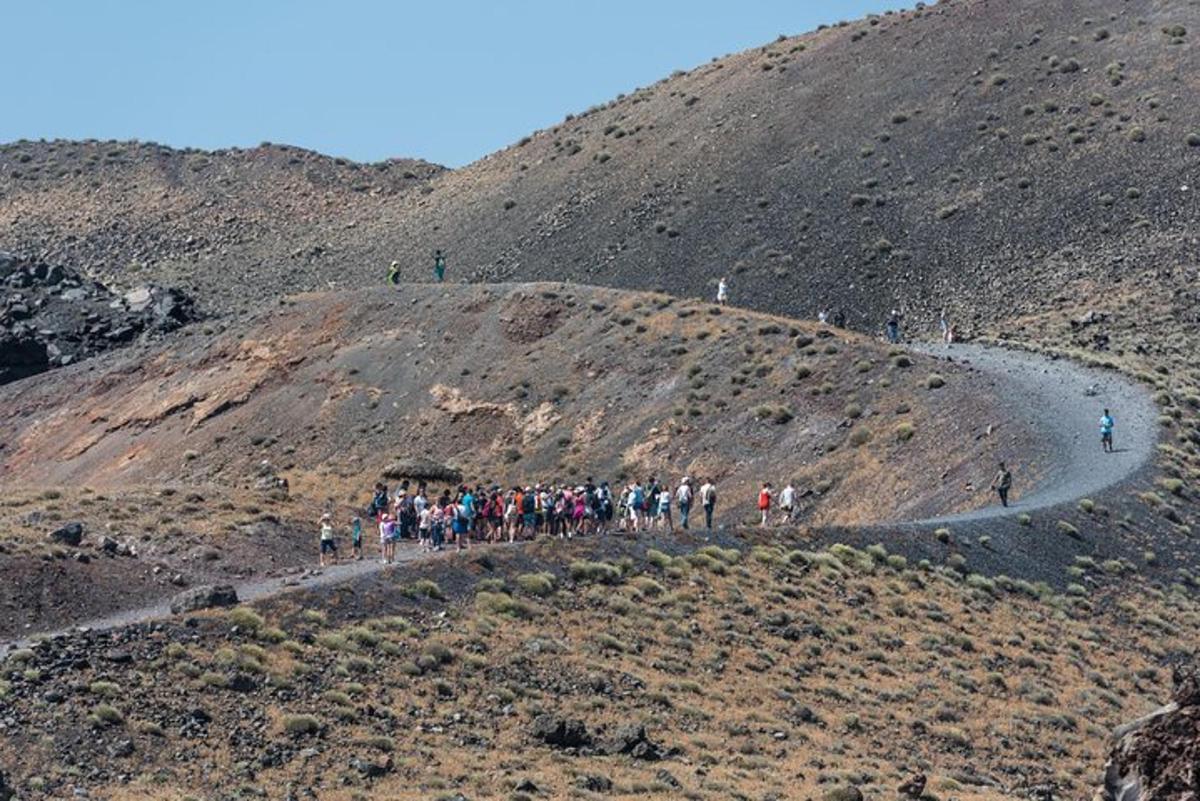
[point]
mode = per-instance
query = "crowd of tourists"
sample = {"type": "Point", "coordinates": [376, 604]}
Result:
{"type": "Point", "coordinates": [456, 518]}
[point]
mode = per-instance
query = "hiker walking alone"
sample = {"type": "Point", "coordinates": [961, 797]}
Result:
{"type": "Point", "coordinates": [947, 329]}
{"type": "Point", "coordinates": [393, 275]}
{"type": "Point", "coordinates": [722, 292]}
{"type": "Point", "coordinates": [892, 328]}
{"type": "Point", "coordinates": [1106, 432]}
{"type": "Point", "coordinates": [708, 499]}
{"type": "Point", "coordinates": [1002, 483]}
{"type": "Point", "coordinates": [439, 266]}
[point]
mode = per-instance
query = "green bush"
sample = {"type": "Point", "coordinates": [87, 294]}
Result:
{"type": "Point", "coordinates": [501, 603]}
{"type": "Point", "coordinates": [596, 572]}
{"type": "Point", "coordinates": [105, 715]}
{"type": "Point", "coordinates": [659, 559]}
{"type": "Point", "coordinates": [424, 588]}
{"type": "Point", "coordinates": [935, 381]}
{"type": "Point", "coordinates": [538, 584]}
{"type": "Point", "coordinates": [301, 725]}
{"type": "Point", "coordinates": [246, 618]}
{"type": "Point", "coordinates": [1068, 529]}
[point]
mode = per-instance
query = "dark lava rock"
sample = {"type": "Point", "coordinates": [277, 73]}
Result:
{"type": "Point", "coordinates": [846, 792]}
{"type": "Point", "coordinates": [594, 783]}
{"type": "Point", "coordinates": [666, 777]}
{"type": "Point", "coordinates": [631, 739]}
{"type": "Point", "coordinates": [6, 790]}
{"type": "Point", "coordinates": [240, 683]}
{"type": "Point", "coordinates": [1156, 756]}
{"type": "Point", "coordinates": [121, 748]}
{"type": "Point", "coordinates": [206, 596]}
{"type": "Point", "coordinates": [71, 534]}
{"type": "Point", "coordinates": [118, 656]}
{"type": "Point", "coordinates": [372, 769]}
{"type": "Point", "coordinates": [560, 732]}
{"type": "Point", "coordinates": [52, 316]}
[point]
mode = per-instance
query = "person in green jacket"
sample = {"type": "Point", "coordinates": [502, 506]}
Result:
{"type": "Point", "coordinates": [439, 266]}
{"type": "Point", "coordinates": [393, 277]}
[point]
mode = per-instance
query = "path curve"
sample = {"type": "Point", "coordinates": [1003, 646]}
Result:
{"type": "Point", "coordinates": [1059, 399]}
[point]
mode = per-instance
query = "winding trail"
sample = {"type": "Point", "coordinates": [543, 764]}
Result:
{"type": "Point", "coordinates": [1059, 400]}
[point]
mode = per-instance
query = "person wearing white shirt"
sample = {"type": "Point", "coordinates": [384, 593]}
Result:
{"type": "Point", "coordinates": [787, 502]}
{"type": "Point", "coordinates": [683, 497]}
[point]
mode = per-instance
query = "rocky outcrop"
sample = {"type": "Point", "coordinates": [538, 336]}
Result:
{"type": "Point", "coordinates": [71, 534]}
{"type": "Point", "coordinates": [51, 316]}
{"type": "Point", "coordinates": [1158, 756]}
{"type": "Point", "coordinates": [205, 597]}
{"type": "Point", "coordinates": [422, 470]}
{"type": "Point", "coordinates": [560, 732]}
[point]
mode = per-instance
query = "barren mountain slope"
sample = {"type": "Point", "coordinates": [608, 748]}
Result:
{"type": "Point", "coordinates": [218, 224]}
{"type": "Point", "coordinates": [1001, 158]}
{"type": "Point", "coordinates": [517, 383]}
{"type": "Point", "coordinates": [993, 157]}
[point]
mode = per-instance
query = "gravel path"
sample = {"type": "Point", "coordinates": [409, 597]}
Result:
{"type": "Point", "coordinates": [1060, 400]}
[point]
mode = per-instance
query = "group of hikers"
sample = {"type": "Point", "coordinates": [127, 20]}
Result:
{"type": "Point", "coordinates": [523, 513]}
{"type": "Point", "coordinates": [455, 518]}
{"type": "Point", "coordinates": [891, 328]}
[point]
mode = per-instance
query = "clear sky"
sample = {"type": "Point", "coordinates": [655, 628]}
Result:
{"type": "Point", "coordinates": [445, 80]}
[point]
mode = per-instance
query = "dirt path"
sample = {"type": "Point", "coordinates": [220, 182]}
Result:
{"type": "Point", "coordinates": [1060, 400]}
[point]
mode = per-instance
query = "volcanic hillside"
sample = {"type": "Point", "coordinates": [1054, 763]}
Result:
{"type": "Point", "coordinates": [1005, 159]}
{"type": "Point", "coordinates": [515, 383]}
{"type": "Point", "coordinates": [211, 223]}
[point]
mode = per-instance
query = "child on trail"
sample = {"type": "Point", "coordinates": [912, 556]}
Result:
{"type": "Point", "coordinates": [437, 527]}
{"type": "Point", "coordinates": [1002, 483]}
{"type": "Point", "coordinates": [764, 502]}
{"type": "Point", "coordinates": [1106, 432]}
{"type": "Point", "coordinates": [439, 266]}
{"type": "Point", "coordinates": [722, 292]}
{"type": "Point", "coordinates": [387, 539]}
{"type": "Point", "coordinates": [328, 544]}
{"type": "Point", "coordinates": [356, 538]}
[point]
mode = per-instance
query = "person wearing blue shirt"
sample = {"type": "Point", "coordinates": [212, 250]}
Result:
{"type": "Point", "coordinates": [1106, 432]}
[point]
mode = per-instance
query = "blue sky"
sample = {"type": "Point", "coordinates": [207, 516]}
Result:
{"type": "Point", "coordinates": [446, 80]}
